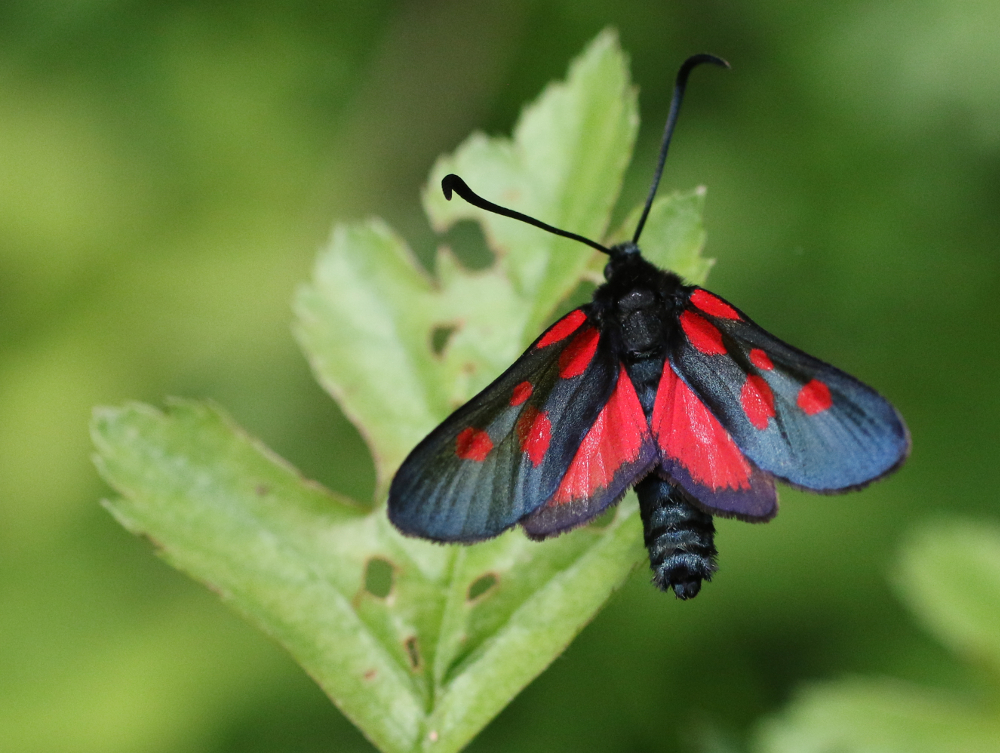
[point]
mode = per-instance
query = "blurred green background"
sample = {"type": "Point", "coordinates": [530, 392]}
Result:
{"type": "Point", "coordinates": [169, 170]}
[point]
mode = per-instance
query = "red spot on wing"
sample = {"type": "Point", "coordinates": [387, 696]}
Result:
{"type": "Point", "coordinates": [688, 433]}
{"type": "Point", "coordinates": [761, 360]}
{"type": "Point", "coordinates": [757, 401]}
{"type": "Point", "coordinates": [713, 305]}
{"type": "Point", "coordinates": [578, 354]}
{"type": "Point", "coordinates": [563, 328]}
{"type": "Point", "coordinates": [521, 393]}
{"type": "Point", "coordinates": [615, 439]}
{"type": "Point", "coordinates": [473, 444]}
{"type": "Point", "coordinates": [534, 432]}
{"type": "Point", "coordinates": [814, 397]}
{"type": "Point", "coordinates": [702, 334]}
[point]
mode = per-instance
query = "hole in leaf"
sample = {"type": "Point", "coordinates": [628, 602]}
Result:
{"type": "Point", "coordinates": [481, 585]}
{"type": "Point", "coordinates": [378, 577]}
{"type": "Point", "coordinates": [605, 518]}
{"type": "Point", "coordinates": [413, 652]}
{"type": "Point", "coordinates": [467, 242]}
{"type": "Point", "coordinates": [440, 337]}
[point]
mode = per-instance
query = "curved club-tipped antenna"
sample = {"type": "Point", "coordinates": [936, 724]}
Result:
{"type": "Point", "coordinates": [675, 106]}
{"type": "Point", "coordinates": [452, 182]}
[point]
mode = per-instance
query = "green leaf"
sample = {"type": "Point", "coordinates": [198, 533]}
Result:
{"type": "Point", "coordinates": [673, 236]}
{"type": "Point", "coordinates": [879, 716]}
{"type": "Point", "coordinates": [419, 644]}
{"type": "Point", "coordinates": [285, 553]}
{"type": "Point", "coordinates": [949, 575]}
{"type": "Point", "coordinates": [417, 666]}
{"type": "Point", "coordinates": [565, 166]}
{"type": "Point", "coordinates": [366, 324]}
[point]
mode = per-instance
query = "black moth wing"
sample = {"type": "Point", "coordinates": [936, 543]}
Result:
{"type": "Point", "coordinates": [796, 417]}
{"type": "Point", "coordinates": [502, 455]}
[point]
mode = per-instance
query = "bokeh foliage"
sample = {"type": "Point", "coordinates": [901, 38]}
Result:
{"type": "Point", "coordinates": [167, 171]}
{"type": "Point", "coordinates": [949, 576]}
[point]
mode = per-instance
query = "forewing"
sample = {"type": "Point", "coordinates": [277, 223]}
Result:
{"type": "Point", "coordinates": [617, 451]}
{"type": "Point", "coordinates": [502, 455]}
{"type": "Point", "coordinates": [793, 415]}
{"type": "Point", "coordinates": [697, 453]}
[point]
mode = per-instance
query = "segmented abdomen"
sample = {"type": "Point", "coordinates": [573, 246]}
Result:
{"type": "Point", "coordinates": [678, 535]}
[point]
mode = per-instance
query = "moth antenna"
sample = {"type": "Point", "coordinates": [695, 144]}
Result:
{"type": "Point", "coordinates": [452, 182]}
{"type": "Point", "coordinates": [675, 105]}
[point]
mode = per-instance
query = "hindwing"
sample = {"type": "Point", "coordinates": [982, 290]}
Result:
{"type": "Point", "coordinates": [698, 453]}
{"type": "Point", "coordinates": [616, 452]}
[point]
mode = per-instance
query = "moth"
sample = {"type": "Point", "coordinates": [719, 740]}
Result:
{"type": "Point", "coordinates": [656, 385]}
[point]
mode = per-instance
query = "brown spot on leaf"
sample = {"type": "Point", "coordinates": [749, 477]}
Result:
{"type": "Point", "coordinates": [413, 652]}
